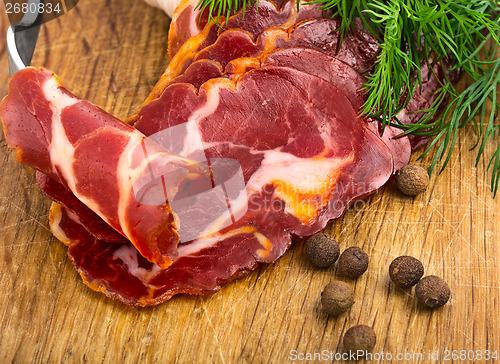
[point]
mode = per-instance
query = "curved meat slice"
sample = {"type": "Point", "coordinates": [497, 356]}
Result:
{"type": "Point", "coordinates": [105, 163]}
{"type": "Point", "coordinates": [120, 272]}
{"type": "Point", "coordinates": [268, 14]}
{"type": "Point", "coordinates": [322, 65]}
{"type": "Point", "coordinates": [89, 219]}
{"type": "Point", "coordinates": [188, 21]}
{"type": "Point", "coordinates": [199, 72]}
{"type": "Point", "coordinates": [319, 158]}
{"type": "Point", "coordinates": [190, 34]}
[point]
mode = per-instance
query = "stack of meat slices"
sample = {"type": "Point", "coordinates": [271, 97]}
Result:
{"type": "Point", "coordinates": [273, 91]}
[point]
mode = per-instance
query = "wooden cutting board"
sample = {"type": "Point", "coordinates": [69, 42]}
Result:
{"type": "Point", "coordinates": [111, 53]}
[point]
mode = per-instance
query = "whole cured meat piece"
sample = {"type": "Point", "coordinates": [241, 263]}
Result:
{"type": "Point", "coordinates": [318, 159]}
{"type": "Point", "coordinates": [105, 163]}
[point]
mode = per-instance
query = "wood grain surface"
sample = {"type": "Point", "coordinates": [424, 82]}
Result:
{"type": "Point", "coordinates": [111, 53]}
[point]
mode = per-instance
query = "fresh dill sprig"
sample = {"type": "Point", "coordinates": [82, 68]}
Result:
{"type": "Point", "coordinates": [460, 36]}
{"type": "Point", "coordinates": [225, 8]}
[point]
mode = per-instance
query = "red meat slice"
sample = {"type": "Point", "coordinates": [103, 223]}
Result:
{"type": "Point", "coordinates": [267, 14]}
{"type": "Point", "coordinates": [95, 156]}
{"type": "Point", "coordinates": [358, 50]}
{"type": "Point", "coordinates": [188, 22]}
{"type": "Point", "coordinates": [351, 83]}
{"type": "Point", "coordinates": [199, 72]}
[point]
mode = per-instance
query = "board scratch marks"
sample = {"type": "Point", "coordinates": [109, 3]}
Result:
{"type": "Point", "coordinates": [42, 221]}
{"type": "Point", "coordinates": [477, 286]}
{"type": "Point", "coordinates": [45, 242]}
{"type": "Point", "coordinates": [456, 230]}
{"type": "Point", "coordinates": [214, 333]}
{"type": "Point", "coordinates": [471, 340]}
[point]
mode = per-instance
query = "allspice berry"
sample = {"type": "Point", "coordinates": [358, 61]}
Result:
{"type": "Point", "coordinates": [406, 271]}
{"type": "Point", "coordinates": [359, 337]}
{"type": "Point", "coordinates": [412, 179]}
{"type": "Point", "coordinates": [337, 298]}
{"type": "Point", "coordinates": [322, 250]}
{"type": "Point", "coordinates": [432, 291]}
{"type": "Point", "coordinates": [353, 262]}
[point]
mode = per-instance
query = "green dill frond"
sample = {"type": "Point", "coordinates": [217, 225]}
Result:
{"type": "Point", "coordinates": [226, 8]}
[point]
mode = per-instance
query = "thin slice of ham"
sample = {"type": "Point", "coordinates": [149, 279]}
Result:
{"type": "Point", "coordinates": [103, 162]}
{"type": "Point", "coordinates": [89, 219]}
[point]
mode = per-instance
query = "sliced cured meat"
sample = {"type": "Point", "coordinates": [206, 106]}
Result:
{"type": "Point", "coordinates": [322, 65]}
{"type": "Point", "coordinates": [319, 159]}
{"type": "Point", "coordinates": [297, 180]}
{"type": "Point", "coordinates": [288, 118]}
{"type": "Point", "coordinates": [269, 14]}
{"type": "Point", "coordinates": [233, 44]}
{"type": "Point", "coordinates": [199, 72]}
{"type": "Point", "coordinates": [188, 35]}
{"type": "Point", "coordinates": [120, 272]}
{"type": "Point", "coordinates": [105, 163]}
{"type": "Point", "coordinates": [187, 22]}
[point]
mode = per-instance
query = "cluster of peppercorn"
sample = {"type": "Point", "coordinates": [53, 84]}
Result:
{"type": "Point", "coordinates": [431, 291]}
{"type": "Point", "coordinates": [338, 297]}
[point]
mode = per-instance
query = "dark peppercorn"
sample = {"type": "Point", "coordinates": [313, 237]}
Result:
{"type": "Point", "coordinates": [432, 291]}
{"type": "Point", "coordinates": [359, 337]}
{"type": "Point", "coordinates": [337, 298]}
{"type": "Point", "coordinates": [412, 179]}
{"type": "Point", "coordinates": [353, 262]}
{"type": "Point", "coordinates": [406, 271]}
{"type": "Point", "coordinates": [322, 250]}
